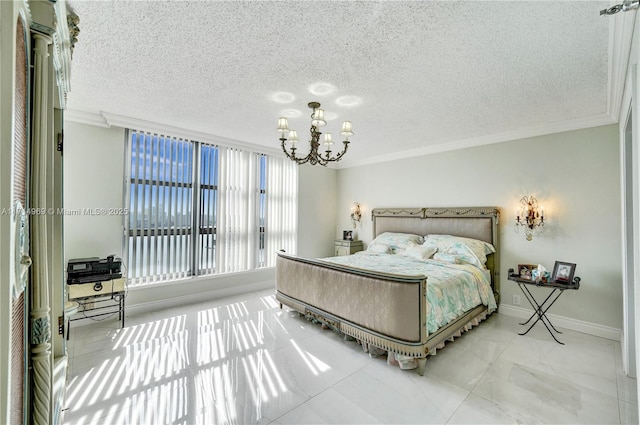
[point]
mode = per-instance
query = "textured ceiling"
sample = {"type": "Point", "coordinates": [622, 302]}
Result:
{"type": "Point", "coordinates": [411, 76]}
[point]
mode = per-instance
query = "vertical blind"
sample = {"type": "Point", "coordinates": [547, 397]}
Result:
{"type": "Point", "coordinates": [199, 209]}
{"type": "Point", "coordinates": [282, 207]}
{"type": "Point", "coordinates": [160, 194]}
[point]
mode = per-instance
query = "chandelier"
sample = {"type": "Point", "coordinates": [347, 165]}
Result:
{"type": "Point", "coordinates": [625, 6]}
{"type": "Point", "coordinates": [314, 157]}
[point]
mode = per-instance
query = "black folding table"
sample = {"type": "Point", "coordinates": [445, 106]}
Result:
{"type": "Point", "coordinates": [540, 309]}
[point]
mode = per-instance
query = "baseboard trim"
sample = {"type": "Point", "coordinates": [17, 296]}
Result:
{"type": "Point", "coordinates": [567, 323]}
{"type": "Point", "coordinates": [177, 301]}
{"type": "Point", "coordinates": [229, 291]}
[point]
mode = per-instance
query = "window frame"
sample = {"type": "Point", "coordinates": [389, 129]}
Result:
{"type": "Point", "coordinates": [201, 233]}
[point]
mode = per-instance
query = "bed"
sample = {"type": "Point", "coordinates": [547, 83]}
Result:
{"type": "Point", "coordinates": [388, 311]}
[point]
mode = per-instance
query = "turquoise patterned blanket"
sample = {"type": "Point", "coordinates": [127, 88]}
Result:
{"type": "Point", "coordinates": [452, 289]}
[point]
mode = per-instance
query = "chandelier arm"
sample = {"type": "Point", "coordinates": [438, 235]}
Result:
{"type": "Point", "coordinates": [308, 158]}
{"type": "Point", "coordinates": [292, 155]}
{"type": "Point", "coordinates": [344, 151]}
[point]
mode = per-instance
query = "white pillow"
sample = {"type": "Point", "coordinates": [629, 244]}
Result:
{"type": "Point", "coordinates": [379, 249]}
{"type": "Point", "coordinates": [448, 258]}
{"type": "Point", "coordinates": [397, 242]}
{"type": "Point", "coordinates": [420, 252]}
{"type": "Point", "coordinates": [475, 244]}
{"type": "Point", "coordinates": [471, 251]}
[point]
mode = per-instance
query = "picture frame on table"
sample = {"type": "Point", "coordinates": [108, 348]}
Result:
{"type": "Point", "coordinates": [563, 272]}
{"type": "Point", "coordinates": [524, 270]}
{"type": "Point", "coordinates": [347, 235]}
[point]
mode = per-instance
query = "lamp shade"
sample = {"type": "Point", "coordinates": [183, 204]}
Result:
{"type": "Point", "coordinates": [293, 136]}
{"type": "Point", "coordinates": [318, 118]}
{"type": "Point", "coordinates": [283, 125]}
{"type": "Point", "coordinates": [328, 139]}
{"type": "Point", "coordinates": [347, 130]}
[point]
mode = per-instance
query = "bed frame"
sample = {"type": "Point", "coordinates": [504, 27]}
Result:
{"type": "Point", "coordinates": [345, 298]}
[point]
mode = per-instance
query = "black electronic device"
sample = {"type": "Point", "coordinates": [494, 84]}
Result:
{"type": "Point", "coordinates": [93, 269]}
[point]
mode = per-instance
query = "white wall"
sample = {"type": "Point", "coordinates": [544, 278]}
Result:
{"type": "Point", "coordinates": [575, 175]}
{"type": "Point", "coordinates": [317, 212]}
{"type": "Point", "coordinates": [93, 178]}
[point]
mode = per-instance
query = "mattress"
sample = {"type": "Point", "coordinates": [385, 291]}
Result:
{"type": "Point", "coordinates": [452, 289]}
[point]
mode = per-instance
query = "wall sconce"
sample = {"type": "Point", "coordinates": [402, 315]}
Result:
{"type": "Point", "coordinates": [528, 216]}
{"type": "Point", "coordinates": [356, 214]}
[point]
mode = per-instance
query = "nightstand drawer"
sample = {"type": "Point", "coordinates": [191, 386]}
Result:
{"type": "Point", "coordinates": [343, 247]}
{"type": "Point", "coordinates": [94, 289]}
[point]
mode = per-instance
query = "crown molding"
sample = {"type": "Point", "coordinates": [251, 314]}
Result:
{"type": "Point", "coordinates": [95, 119]}
{"type": "Point", "coordinates": [107, 119]}
{"type": "Point", "coordinates": [522, 133]}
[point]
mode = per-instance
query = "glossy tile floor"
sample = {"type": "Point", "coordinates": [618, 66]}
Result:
{"type": "Point", "coordinates": [242, 360]}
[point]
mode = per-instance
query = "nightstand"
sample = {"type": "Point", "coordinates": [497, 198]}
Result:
{"type": "Point", "coordinates": [347, 247]}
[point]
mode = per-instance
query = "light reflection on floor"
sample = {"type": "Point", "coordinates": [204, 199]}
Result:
{"type": "Point", "coordinates": [243, 361]}
{"type": "Point", "coordinates": [202, 366]}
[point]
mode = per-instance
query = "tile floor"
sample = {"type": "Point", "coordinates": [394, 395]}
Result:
{"type": "Point", "coordinates": [242, 360]}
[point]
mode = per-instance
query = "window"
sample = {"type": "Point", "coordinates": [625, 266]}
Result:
{"type": "Point", "coordinates": [199, 209]}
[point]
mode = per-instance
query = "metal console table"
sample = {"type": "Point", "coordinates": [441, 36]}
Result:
{"type": "Point", "coordinates": [105, 298]}
{"type": "Point", "coordinates": [540, 309]}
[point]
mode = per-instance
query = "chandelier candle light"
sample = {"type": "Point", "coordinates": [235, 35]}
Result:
{"type": "Point", "coordinates": [528, 216]}
{"type": "Point", "coordinates": [356, 214]}
{"type": "Point", "coordinates": [314, 157]}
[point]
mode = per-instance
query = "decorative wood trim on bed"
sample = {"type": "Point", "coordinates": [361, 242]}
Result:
{"type": "Point", "coordinates": [344, 298]}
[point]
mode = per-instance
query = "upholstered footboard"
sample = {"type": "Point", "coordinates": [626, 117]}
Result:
{"type": "Point", "coordinates": [378, 309]}
{"type": "Point", "coordinates": [384, 310]}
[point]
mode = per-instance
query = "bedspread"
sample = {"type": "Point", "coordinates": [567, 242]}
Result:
{"type": "Point", "coordinates": [452, 289]}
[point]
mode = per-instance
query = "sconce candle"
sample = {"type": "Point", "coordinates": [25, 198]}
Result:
{"type": "Point", "coordinates": [529, 218]}
{"type": "Point", "coordinates": [356, 214]}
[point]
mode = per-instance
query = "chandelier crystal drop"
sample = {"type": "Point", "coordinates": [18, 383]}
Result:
{"type": "Point", "coordinates": [314, 157]}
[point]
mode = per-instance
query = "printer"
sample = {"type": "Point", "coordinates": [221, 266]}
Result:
{"type": "Point", "coordinates": [93, 269]}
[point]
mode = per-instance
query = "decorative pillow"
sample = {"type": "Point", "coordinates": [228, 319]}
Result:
{"type": "Point", "coordinates": [483, 246]}
{"type": "Point", "coordinates": [379, 249]}
{"type": "Point", "coordinates": [447, 258]}
{"type": "Point", "coordinates": [420, 252]}
{"type": "Point", "coordinates": [397, 242]}
{"type": "Point", "coordinates": [471, 251]}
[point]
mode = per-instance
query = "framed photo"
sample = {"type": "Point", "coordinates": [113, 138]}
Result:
{"type": "Point", "coordinates": [524, 270]}
{"type": "Point", "coordinates": [563, 272]}
{"type": "Point", "coordinates": [347, 235]}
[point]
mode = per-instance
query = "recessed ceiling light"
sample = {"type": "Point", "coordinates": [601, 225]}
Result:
{"type": "Point", "coordinates": [290, 113]}
{"type": "Point", "coordinates": [283, 97]}
{"type": "Point", "coordinates": [349, 101]}
{"type": "Point", "coordinates": [330, 116]}
{"type": "Point", "coordinates": [321, 89]}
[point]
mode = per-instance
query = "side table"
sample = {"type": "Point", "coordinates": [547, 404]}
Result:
{"type": "Point", "coordinates": [98, 299]}
{"type": "Point", "coordinates": [540, 309]}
